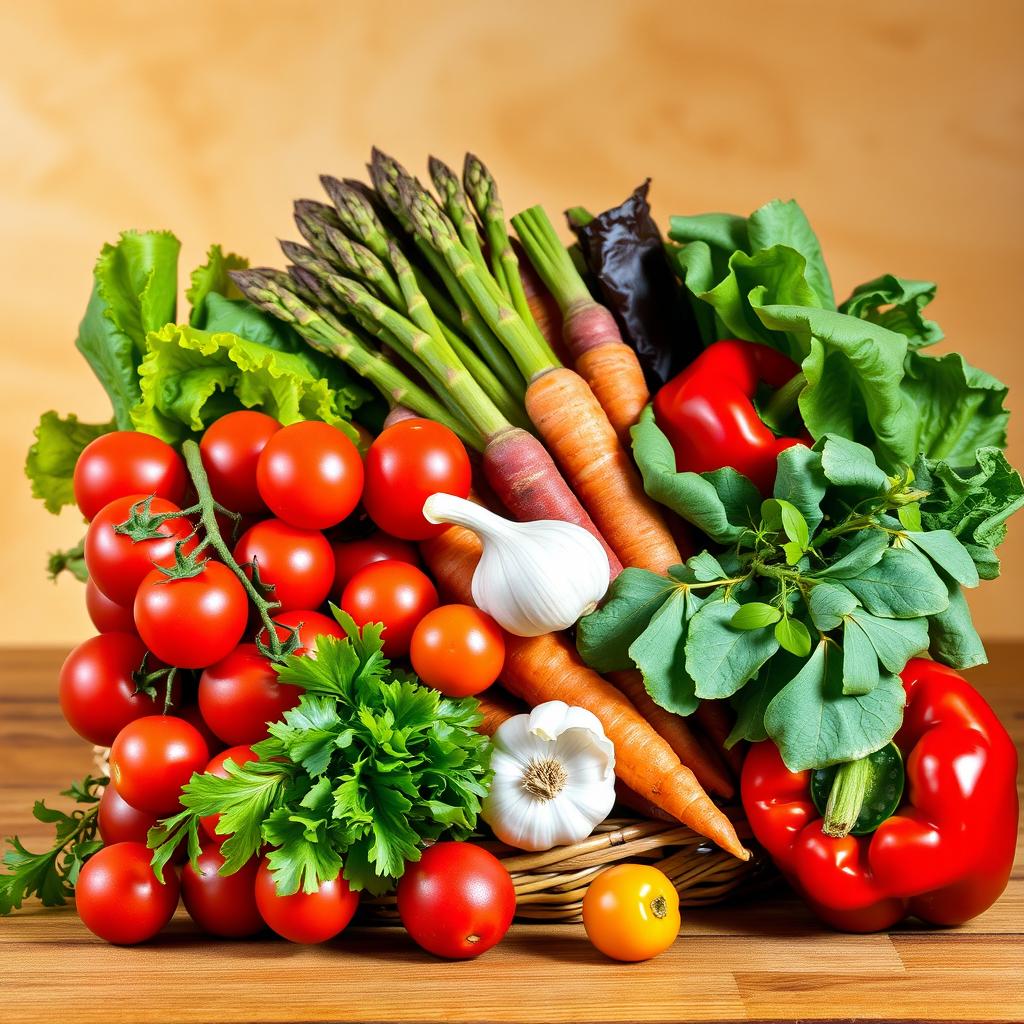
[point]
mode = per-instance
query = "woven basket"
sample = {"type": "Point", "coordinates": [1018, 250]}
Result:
{"type": "Point", "coordinates": [550, 885]}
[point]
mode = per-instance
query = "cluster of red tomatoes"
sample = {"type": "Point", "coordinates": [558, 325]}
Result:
{"type": "Point", "coordinates": [321, 524]}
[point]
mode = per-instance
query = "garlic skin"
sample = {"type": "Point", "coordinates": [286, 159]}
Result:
{"type": "Point", "coordinates": [533, 578]}
{"type": "Point", "coordinates": [554, 778]}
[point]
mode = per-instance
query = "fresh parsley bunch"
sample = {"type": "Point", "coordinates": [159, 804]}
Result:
{"type": "Point", "coordinates": [819, 597]}
{"type": "Point", "coordinates": [368, 767]}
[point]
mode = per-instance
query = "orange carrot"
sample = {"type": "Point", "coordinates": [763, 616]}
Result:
{"type": "Point", "coordinates": [716, 720]}
{"type": "Point", "coordinates": [613, 372]}
{"type": "Point", "coordinates": [674, 730]}
{"type": "Point", "coordinates": [576, 430]}
{"type": "Point", "coordinates": [543, 668]}
{"type": "Point", "coordinates": [497, 708]}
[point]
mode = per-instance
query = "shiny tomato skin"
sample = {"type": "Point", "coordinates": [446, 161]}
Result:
{"type": "Point", "coordinates": [631, 912]}
{"type": "Point", "coordinates": [456, 901]}
{"type": "Point", "coordinates": [310, 475]}
{"type": "Point", "coordinates": [119, 822]}
{"type": "Point", "coordinates": [299, 563]}
{"type": "Point", "coordinates": [458, 650]}
{"type": "Point", "coordinates": [119, 898]}
{"type": "Point", "coordinates": [127, 462]}
{"type": "Point", "coordinates": [311, 625]}
{"type": "Point", "coordinates": [194, 716]}
{"type": "Point", "coordinates": [117, 564]}
{"type": "Point", "coordinates": [240, 694]}
{"type": "Point", "coordinates": [106, 615]}
{"type": "Point", "coordinates": [230, 449]}
{"type": "Point", "coordinates": [352, 555]}
{"type": "Point", "coordinates": [241, 755]}
{"type": "Point", "coordinates": [223, 905]}
{"type": "Point", "coordinates": [152, 758]}
{"type": "Point", "coordinates": [192, 622]}
{"type": "Point", "coordinates": [97, 691]}
{"type": "Point", "coordinates": [305, 917]}
{"type": "Point", "coordinates": [395, 593]}
{"type": "Point", "coordinates": [408, 462]}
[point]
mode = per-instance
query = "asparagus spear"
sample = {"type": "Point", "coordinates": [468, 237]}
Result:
{"type": "Point", "coordinates": [456, 205]}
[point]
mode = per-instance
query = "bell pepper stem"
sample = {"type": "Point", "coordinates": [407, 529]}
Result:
{"type": "Point", "coordinates": [783, 403]}
{"type": "Point", "coordinates": [846, 798]}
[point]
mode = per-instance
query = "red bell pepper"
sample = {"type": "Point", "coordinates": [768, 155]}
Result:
{"type": "Point", "coordinates": [944, 856]}
{"type": "Point", "coordinates": [708, 413]}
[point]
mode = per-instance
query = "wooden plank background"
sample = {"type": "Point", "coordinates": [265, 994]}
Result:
{"type": "Point", "coordinates": [898, 126]}
{"type": "Point", "coordinates": [764, 960]}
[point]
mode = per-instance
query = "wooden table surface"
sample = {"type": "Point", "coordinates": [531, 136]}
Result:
{"type": "Point", "coordinates": [759, 961]}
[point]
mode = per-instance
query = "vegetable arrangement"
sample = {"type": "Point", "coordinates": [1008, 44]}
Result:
{"type": "Point", "coordinates": [677, 499]}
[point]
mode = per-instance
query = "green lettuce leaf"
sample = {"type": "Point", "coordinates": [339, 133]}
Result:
{"type": "Point", "coordinates": [135, 285]}
{"type": "Point", "coordinates": [50, 464]}
{"type": "Point", "coordinates": [212, 279]}
{"type": "Point", "coordinates": [897, 304]}
{"type": "Point", "coordinates": [190, 377]}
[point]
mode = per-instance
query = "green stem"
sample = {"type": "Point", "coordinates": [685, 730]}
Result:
{"type": "Point", "coordinates": [211, 533]}
{"type": "Point", "coordinates": [846, 798]}
{"type": "Point", "coordinates": [456, 205]}
{"type": "Point", "coordinates": [781, 406]}
{"type": "Point", "coordinates": [551, 259]}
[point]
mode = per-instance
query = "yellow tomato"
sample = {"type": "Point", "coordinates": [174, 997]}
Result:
{"type": "Point", "coordinates": [631, 912]}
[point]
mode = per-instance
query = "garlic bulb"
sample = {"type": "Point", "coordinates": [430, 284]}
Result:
{"type": "Point", "coordinates": [533, 578]}
{"type": "Point", "coordinates": [554, 777]}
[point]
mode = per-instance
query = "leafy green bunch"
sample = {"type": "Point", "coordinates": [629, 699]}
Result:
{"type": "Point", "coordinates": [820, 595]}
{"type": "Point", "coordinates": [354, 780]}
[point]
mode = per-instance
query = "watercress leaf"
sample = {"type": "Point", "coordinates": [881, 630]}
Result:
{"type": "Point", "coordinates": [829, 604]}
{"type": "Point", "coordinates": [866, 551]}
{"type": "Point", "coordinates": [801, 480]}
{"type": "Point", "coordinates": [721, 658]}
{"type": "Point", "coordinates": [604, 636]}
{"type": "Point", "coordinates": [897, 304]}
{"type": "Point", "coordinates": [793, 523]}
{"type": "Point", "coordinates": [901, 585]}
{"type": "Point", "coordinates": [910, 516]}
{"type": "Point", "coordinates": [942, 547]}
{"type": "Point", "coordinates": [860, 663]}
{"type": "Point", "coordinates": [793, 637]}
{"type": "Point", "coordinates": [848, 464]}
{"type": "Point", "coordinates": [660, 655]}
{"type": "Point", "coordinates": [793, 551]}
{"type": "Point", "coordinates": [750, 702]}
{"type": "Point", "coordinates": [755, 615]}
{"type": "Point", "coordinates": [953, 640]}
{"type": "Point", "coordinates": [959, 408]}
{"type": "Point", "coordinates": [50, 464]}
{"type": "Point", "coordinates": [814, 724]}
{"type": "Point", "coordinates": [721, 504]}
{"type": "Point", "coordinates": [895, 641]}
{"type": "Point", "coordinates": [705, 567]}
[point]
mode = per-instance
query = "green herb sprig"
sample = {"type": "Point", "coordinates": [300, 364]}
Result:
{"type": "Point", "coordinates": [354, 780]}
{"type": "Point", "coordinates": [821, 596]}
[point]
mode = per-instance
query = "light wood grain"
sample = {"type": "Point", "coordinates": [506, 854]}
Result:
{"type": "Point", "coordinates": [765, 960]}
{"type": "Point", "coordinates": [897, 125]}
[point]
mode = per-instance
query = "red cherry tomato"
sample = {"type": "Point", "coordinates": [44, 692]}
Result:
{"type": "Point", "coordinates": [230, 449]}
{"type": "Point", "coordinates": [107, 616]}
{"type": "Point", "coordinates": [97, 691]}
{"type": "Point", "coordinates": [127, 462]}
{"type": "Point", "coordinates": [222, 905]}
{"type": "Point", "coordinates": [458, 650]}
{"type": "Point", "coordinates": [115, 562]}
{"type": "Point", "coordinates": [405, 465]}
{"type": "Point", "coordinates": [313, 624]}
{"type": "Point", "coordinates": [395, 593]}
{"type": "Point", "coordinates": [241, 756]}
{"type": "Point", "coordinates": [352, 555]}
{"type": "Point", "coordinates": [192, 622]}
{"type": "Point", "coordinates": [119, 898]}
{"type": "Point", "coordinates": [299, 563]}
{"type": "Point", "coordinates": [152, 758]}
{"type": "Point", "coordinates": [305, 917]}
{"type": "Point", "coordinates": [119, 822]}
{"type": "Point", "coordinates": [240, 694]}
{"type": "Point", "coordinates": [310, 475]}
{"type": "Point", "coordinates": [456, 901]}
